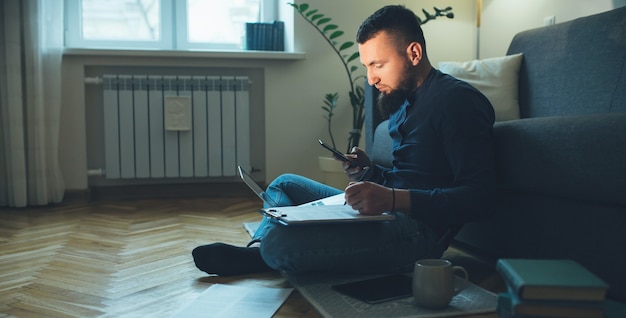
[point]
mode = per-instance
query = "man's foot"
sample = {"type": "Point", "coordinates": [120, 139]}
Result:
{"type": "Point", "coordinates": [227, 260]}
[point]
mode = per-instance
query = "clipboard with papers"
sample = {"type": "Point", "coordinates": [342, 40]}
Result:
{"type": "Point", "coordinates": [327, 210]}
{"type": "Point", "coordinates": [316, 214]}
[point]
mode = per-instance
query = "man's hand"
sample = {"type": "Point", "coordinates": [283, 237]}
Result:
{"type": "Point", "coordinates": [369, 198]}
{"type": "Point", "coordinates": [358, 166]}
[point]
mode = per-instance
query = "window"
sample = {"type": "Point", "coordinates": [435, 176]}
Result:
{"type": "Point", "coordinates": [163, 24]}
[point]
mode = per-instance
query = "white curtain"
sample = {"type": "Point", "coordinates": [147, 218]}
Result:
{"type": "Point", "coordinates": [31, 47]}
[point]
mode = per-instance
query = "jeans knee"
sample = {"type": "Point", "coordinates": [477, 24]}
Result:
{"type": "Point", "coordinates": [275, 250]}
{"type": "Point", "coordinates": [282, 179]}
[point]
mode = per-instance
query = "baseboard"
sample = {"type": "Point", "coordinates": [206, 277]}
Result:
{"type": "Point", "coordinates": [74, 196]}
{"type": "Point", "coordinates": [170, 191]}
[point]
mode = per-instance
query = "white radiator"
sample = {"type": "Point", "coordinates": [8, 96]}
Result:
{"type": "Point", "coordinates": [175, 126]}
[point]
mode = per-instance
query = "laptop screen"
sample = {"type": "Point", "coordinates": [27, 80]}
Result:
{"type": "Point", "coordinates": [247, 179]}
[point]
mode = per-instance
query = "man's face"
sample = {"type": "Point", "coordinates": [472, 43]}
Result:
{"type": "Point", "coordinates": [388, 69]}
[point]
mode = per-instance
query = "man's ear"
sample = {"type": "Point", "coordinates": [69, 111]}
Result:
{"type": "Point", "coordinates": [414, 52]}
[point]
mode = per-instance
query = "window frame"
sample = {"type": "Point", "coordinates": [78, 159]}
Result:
{"type": "Point", "coordinates": [173, 29]}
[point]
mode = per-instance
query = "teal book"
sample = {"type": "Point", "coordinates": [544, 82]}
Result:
{"type": "Point", "coordinates": [551, 279]}
{"type": "Point", "coordinates": [278, 37]}
{"type": "Point", "coordinates": [510, 306]}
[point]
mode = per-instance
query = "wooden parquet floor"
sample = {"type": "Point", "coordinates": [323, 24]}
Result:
{"type": "Point", "coordinates": [120, 259]}
{"type": "Point", "coordinates": [125, 258]}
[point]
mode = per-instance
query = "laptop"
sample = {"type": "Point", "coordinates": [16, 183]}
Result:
{"type": "Point", "coordinates": [338, 199]}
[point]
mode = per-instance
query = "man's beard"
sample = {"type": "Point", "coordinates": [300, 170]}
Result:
{"type": "Point", "coordinates": [391, 102]}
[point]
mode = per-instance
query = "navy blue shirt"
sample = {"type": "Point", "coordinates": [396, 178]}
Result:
{"type": "Point", "coordinates": [443, 153]}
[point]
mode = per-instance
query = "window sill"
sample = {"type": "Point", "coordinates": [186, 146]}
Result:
{"type": "Point", "coordinates": [252, 55]}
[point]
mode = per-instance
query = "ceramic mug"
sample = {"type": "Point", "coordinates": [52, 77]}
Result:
{"type": "Point", "coordinates": [433, 282]}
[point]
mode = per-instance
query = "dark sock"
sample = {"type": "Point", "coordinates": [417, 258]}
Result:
{"type": "Point", "coordinates": [227, 260]}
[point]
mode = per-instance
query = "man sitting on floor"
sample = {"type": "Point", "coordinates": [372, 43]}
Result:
{"type": "Point", "coordinates": [443, 172]}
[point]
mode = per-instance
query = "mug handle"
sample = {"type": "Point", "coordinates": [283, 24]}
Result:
{"type": "Point", "coordinates": [465, 279]}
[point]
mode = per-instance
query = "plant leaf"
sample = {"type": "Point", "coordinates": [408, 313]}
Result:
{"type": "Point", "coordinates": [303, 7]}
{"type": "Point", "coordinates": [330, 27]}
{"type": "Point", "coordinates": [354, 56]}
{"type": "Point", "coordinates": [322, 21]}
{"type": "Point", "coordinates": [311, 12]}
{"type": "Point", "coordinates": [346, 45]}
{"type": "Point", "coordinates": [354, 68]}
{"type": "Point", "coordinates": [317, 16]}
{"type": "Point", "coordinates": [335, 34]}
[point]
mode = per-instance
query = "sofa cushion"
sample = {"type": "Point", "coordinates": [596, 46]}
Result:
{"type": "Point", "coordinates": [497, 78]}
{"type": "Point", "coordinates": [573, 68]}
{"type": "Point", "coordinates": [380, 152]}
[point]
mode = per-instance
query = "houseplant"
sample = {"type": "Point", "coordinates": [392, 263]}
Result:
{"type": "Point", "coordinates": [349, 59]}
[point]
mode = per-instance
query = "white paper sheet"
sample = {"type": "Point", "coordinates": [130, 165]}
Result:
{"type": "Point", "coordinates": [236, 301]}
{"type": "Point", "coordinates": [307, 214]}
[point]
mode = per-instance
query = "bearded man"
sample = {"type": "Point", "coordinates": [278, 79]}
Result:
{"type": "Point", "coordinates": [442, 174]}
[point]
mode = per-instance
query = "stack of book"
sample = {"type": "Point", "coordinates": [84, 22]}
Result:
{"type": "Point", "coordinates": [265, 36]}
{"type": "Point", "coordinates": [549, 288]}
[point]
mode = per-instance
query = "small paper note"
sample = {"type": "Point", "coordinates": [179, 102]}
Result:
{"type": "Point", "coordinates": [177, 113]}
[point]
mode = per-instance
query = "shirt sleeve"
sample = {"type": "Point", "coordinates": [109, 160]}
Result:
{"type": "Point", "coordinates": [376, 175]}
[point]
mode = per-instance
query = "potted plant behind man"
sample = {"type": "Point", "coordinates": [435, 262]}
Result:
{"type": "Point", "coordinates": [349, 56]}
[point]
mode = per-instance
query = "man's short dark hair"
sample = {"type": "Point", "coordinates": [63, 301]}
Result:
{"type": "Point", "coordinates": [401, 23]}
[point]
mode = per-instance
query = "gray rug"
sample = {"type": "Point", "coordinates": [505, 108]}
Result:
{"type": "Point", "coordinates": [316, 289]}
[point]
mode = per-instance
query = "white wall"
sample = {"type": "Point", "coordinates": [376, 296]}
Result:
{"type": "Point", "coordinates": [294, 89]}
{"type": "Point", "coordinates": [502, 19]}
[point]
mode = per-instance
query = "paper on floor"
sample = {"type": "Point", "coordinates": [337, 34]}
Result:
{"type": "Point", "coordinates": [236, 301]}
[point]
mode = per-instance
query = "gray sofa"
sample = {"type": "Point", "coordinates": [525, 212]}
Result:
{"type": "Point", "coordinates": [562, 167]}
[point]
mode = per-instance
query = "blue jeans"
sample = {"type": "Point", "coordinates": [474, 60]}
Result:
{"type": "Point", "coordinates": [369, 247]}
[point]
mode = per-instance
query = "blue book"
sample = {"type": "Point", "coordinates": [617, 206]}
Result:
{"type": "Point", "coordinates": [250, 36]}
{"type": "Point", "coordinates": [266, 42]}
{"type": "Point", "coordinates": [253, 36]}
{"type": "Point", "coordinates": [278, 36]}
{"type": "Point", "coordinates": [551, 279]}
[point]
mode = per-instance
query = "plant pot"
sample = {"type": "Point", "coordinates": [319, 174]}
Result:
{"type": "Point", "coordinates": [332, 173]}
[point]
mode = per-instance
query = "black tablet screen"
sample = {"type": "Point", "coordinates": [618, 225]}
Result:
{"type": "Point", "coordinates": [379, 289]}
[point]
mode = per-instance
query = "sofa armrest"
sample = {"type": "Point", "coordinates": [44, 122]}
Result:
{"type": "Point", "coordinates": [582, 157]}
